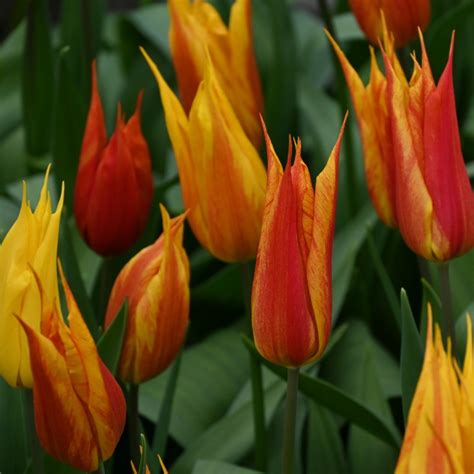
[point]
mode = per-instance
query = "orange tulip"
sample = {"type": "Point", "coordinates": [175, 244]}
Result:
{"type": "Point", "coordinates": [198, 30]}
{"type": "Point", "coordinates": [439, 432]}
{"type": "Point", "coordinates": [403, 18]}
{"type": "Point", "coordinates": [222, 176]}
{"type": "Point", "coordinates": [292, 287]}
{"type": "Point", "coordinates": [79, 407]}
{"type": "Point", "coordinates": [434, 199]}
{"type": "Point", "coordinates": [156, 284]}
{"type": "Point", "coordinates": [114, 185]}
{"type": "Point", "coordinates": [372, 110]}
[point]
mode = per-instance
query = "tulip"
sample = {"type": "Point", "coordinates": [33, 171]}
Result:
{"type": "Point", "coordinates": [403, 18]}
{"type": "Point", "coordinates": [433, 439]}
{"type": "Point", "coordinates": [372, 110]}
{"type": "Point", "coordinates": [79, 407]}
{"type": "Point", "coordinates": [198, 30]}
{"type": "Point", "coordinates": [292, 287]}
{"type": "Point", "coordinates": [114, 185]}
{"type": "Point", "coordinates": [434, 199]}
{"type": "Point", "coordinates": [29, 247]}
{"type": "Point", "coordinates": [156, 284]}
{"type": "Point", "coordinates": [222, 177]}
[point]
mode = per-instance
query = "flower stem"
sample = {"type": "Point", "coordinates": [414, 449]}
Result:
{"type": "Point", "coordinates": [290, 420]}
{"type": "Point", "coordinates": [352, 191]}
{"type": "Point", "coordinates": [446, 303]}
{"type": "Point", "coordinates": [132, 415]}
{"type": "Point", "coordinates": [29, 417]}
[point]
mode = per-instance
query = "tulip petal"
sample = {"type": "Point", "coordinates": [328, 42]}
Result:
{"type": "Point", "coordinates": [319, 264]}
{"type": "Point", "coordinates": [445, 172]}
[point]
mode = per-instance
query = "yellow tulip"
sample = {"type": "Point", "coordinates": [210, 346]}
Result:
{"type": "Point", "coordinates": [29, 247]}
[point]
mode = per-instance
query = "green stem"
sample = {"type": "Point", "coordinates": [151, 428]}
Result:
{"type": "Point", "coordinates": [29, 417]}
{"type": "Point", "coordinates": [258, 399]}
{"type": "Point", "coordinates": [290, 421]}
{"type": "Point", "coordinates": [100, 469]}
{"type": "Point", "coordinates": [133, 423]}
{"type": "Point", "coordinates": [446, 302]}
{"type": "Point", "coordinates": [352, 191]}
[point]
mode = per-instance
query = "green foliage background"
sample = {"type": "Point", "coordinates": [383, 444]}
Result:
{"type": "Point", "coordinates": [352, 404]}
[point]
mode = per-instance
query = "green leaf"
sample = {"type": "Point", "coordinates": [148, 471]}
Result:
{"type": "Point", "coordinates": [218, 467]}
{"type": "Point", "coordinates": [411, 354]}
{"type": "Point", "coordinates": [37, 79]}
{"type": "Point", "coordinates": [230, 438]}
{"type": "Point", "coordinates": [212, 373]}
{"type": "Point", "coordinates": [325, 452]}
{"type": "Point", "coordinates": [68, 124]}
{"type": "Point", "coordinates": [8, 215]}
{"type": "Point", "coordinates": [14, 453]}
{"type": "Point", "coordinates": [162, 427]}
{"type": "Point", "coordinates": [331, 397]}
{"type": "Point", "coordinates": [279, 76]}
{"type": "Point", "coordinates": [110, 343]}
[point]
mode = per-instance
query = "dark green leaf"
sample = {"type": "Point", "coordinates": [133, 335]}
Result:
{"type": "Point", "coordinates": [110, 343]}
{"type": "Point", "coordinates": [331, 397]}
{"type": "Point", "coordinates": [217, 467]}
{"type": "Point", "coordinates": [144, 453]}
{"type": "Point", "coordinates": [38, 79]}
{"type": "Point", "coordinates": [411, 354]}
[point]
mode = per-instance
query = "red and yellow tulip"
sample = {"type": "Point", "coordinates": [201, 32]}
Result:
{"type": "Point", "coordinates": [222, 177]}
{"type": "Point", "coordinates": [403, 18]}
{"type": "Point", "coordinates": [114, 184]}
{"type": "Point", "coordinates": [196, 31]}
{"type": "Point", "coordinates": [439, 432]}
{"type": "Point", "coordinates": [292, 288]}
{"type": "Point", "coordinates": [434, 199]}
{"type": "Point", "coordinates": [156, 284]}
{"type": "Point", "coordinates": [29, 247]}
{"type": "Point", "coordinates": [373, 116]}
{"type": "Point", "coordinates": [79, 407]}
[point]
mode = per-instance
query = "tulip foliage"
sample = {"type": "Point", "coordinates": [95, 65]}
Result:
{"type": "Point", "coordinates": [237, 236]}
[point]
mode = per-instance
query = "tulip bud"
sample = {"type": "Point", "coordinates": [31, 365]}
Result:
{"type": "Point", "coordinates": [372, 111]}
{"type": "Point", "coordinates": [156, 284]}
{"type": "Point", "coordinates": [114, 184]}
{"type": "Point", "coordinates": [29, 246]}
{"type": "Point", "coordinates": [292, 287]}
{"type": "Point", "coordinates": [433, 439]}
{"type": "Point", "coordinates": [222, 176]}
{"type": "Point", "coordinates": [197, 30]}
{"type": "Point", "coordinates": [403, 18]}
{"type": "Point", "coordinates": [434, 199]}
{"type": "Point", "coordinates": [79, 407]}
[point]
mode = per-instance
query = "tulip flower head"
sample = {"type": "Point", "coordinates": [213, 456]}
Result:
{"type": "Point", "coordinates": [114, 184]}
{"type": "Point", "coordinates": [196, 31]}
{"type": "Point", "coordinates": [221, 174]}
{"type": "Point", "coordinates": [403, 18]}
{"type": "Point", "coordinates": [292, 287]}
{"type": "Point", "coordinates": [79, 407]}
{"type": "Point", "coordinates": [373, 116]}
{"type": "Point", "coordinates": [156, 284]}
{"type": "Point", "coordinates": [29, 247]}
{"type": "Point", "coordinates": [439, 431]}
{"type": "Point", "coordinates": [434, 198]}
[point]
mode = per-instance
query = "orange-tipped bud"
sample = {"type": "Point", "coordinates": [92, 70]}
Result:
{"type": "Point", "coordinates": [222, 176]}
{"type": "Point", "coordinates": [114, 184]}
{"type": "Point", "coordinates": [197, 30]}
{"type": "Point", "coordinates": [440, 427]}
{"type": "Point", "coordinates": [434, 198]}
{"type": "Point", "coordinates": [156, 284]}
{"type": "Point", "coordinates": [79, 407]}
{"type": "Point", "coordinates": [292, 287]}
{"type": "Point", "coordinates": [403, 18]}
